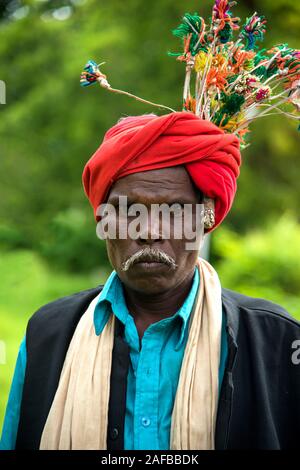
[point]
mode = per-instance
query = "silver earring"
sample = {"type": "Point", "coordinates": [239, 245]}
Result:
{"type": "Point", "coordinates": [209, 218]}
{"type": "Point", "coordinates": [209, 213]}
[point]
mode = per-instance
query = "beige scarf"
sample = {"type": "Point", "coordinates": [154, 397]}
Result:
{"type": "Point", "coordinates": [78, 416]}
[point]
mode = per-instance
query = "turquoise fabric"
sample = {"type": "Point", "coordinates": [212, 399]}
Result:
{"type": "Point", "coordinates": [12, 415]}
{"type": "Point", "coordinates": [153, 372]}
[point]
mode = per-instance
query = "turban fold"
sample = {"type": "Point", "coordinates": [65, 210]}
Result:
{"type": "Point", "coordinates": [148, 142]}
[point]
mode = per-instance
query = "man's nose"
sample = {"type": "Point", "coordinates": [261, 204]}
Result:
{"type": "Point", "coordinates": [150, 233]}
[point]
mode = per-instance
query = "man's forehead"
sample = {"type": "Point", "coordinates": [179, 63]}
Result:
{"type": "Point", "coordinates": [165, 182]}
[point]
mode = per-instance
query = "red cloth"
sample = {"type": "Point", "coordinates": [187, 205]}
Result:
{"type": "Point", "coordinates": [149, 142]}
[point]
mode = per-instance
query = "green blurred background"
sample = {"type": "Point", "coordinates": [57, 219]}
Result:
{"type": "Point", "coordinates": [50, 126]}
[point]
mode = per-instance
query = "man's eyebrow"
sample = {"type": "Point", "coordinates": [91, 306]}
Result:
{"type": "Point", "coordinates": [180, 201]}
{"type": "Point", "coordinates": [114, 200]}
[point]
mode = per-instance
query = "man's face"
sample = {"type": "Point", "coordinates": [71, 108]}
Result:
{"type": "Point", "coordinates": [169, 186]}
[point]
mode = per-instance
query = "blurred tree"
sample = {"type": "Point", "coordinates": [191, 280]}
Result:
{"type": "Point", "coordinates": [50, 126]}
{"type": "Point", "coordinates": [5, 7]}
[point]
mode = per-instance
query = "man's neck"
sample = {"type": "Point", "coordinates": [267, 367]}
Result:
{"type": "Point", "coordinates": [148, 309]}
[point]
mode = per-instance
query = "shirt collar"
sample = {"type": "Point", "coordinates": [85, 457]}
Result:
{"type": "Point", "coordinates": [112, 298]}
{"type": "Point", "coordinates": [185, 310]}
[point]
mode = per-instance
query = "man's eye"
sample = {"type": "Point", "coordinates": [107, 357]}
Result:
{"type": "Point", "coordinates": [177, 209]}
{"type": "Point", "coordinates": [132, 214]}
{"type": "Point", "coordinates": [125, 210]}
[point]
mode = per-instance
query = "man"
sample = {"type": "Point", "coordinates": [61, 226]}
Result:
{"type": "Point", "coordinates": [160, 357]}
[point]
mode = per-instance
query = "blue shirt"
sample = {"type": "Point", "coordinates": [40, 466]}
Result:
{"type": "Point", "coordinates": [153, 371]}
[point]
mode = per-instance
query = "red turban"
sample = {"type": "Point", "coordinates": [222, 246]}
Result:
{"type": "Point", "coordinates": [148, 142]}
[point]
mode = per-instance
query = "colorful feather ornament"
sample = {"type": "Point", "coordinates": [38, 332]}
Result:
{"type": "Point", "coordinates": [230, 82]}
{"type": "Point", "coordinates": [234, 82]}
{"type": "Point", "coordinates": [91, 74]}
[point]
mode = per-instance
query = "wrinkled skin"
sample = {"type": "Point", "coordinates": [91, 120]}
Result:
{"type": "Point", "coordinates": [156, 293]}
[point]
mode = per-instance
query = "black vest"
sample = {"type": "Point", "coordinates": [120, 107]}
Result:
{"type": "Point", "coordinates": [252, 411]}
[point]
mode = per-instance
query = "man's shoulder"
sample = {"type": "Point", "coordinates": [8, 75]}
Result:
{"type": "Point", "coordinates": [257, 307]}
{"type": "Point", "coordinates": [65, 307]}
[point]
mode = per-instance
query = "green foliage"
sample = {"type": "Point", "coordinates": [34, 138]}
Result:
{"type": "Point", "coordinates": [26, 283]}
{"type": "Point", "coordinates": [10, 236]}
{"type": "Point", "coordinates": [72, 244]}
{"type": "Point", "coordinates": [50, 127]}
{"type": "Point", "coordinates": [262, 263]}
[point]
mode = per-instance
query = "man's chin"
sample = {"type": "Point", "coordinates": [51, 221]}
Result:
{"type": "Point", "coordinates": [148, 281]}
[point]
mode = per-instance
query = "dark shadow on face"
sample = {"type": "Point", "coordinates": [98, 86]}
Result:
{"type": "Point", "coordinates": [167, 185]}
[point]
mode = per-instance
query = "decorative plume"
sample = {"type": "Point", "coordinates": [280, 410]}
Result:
{"type": "Point", "coordinates": [91, 74]}
{"type": "Point", "coordinates": [234, 82]}
{"type": "Point", "coordinates": [228, 81]}
{"type": "Point", "coordinates": [253, 30]}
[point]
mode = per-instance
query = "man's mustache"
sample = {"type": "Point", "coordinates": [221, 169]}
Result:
{"type": "Point", "coordinates": [150, 255]}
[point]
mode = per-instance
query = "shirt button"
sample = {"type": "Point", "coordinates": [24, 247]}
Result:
{"type": "Point", "coordinates": [114, 433]}
{"type": "Point", "coordinates": [146, 422]}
